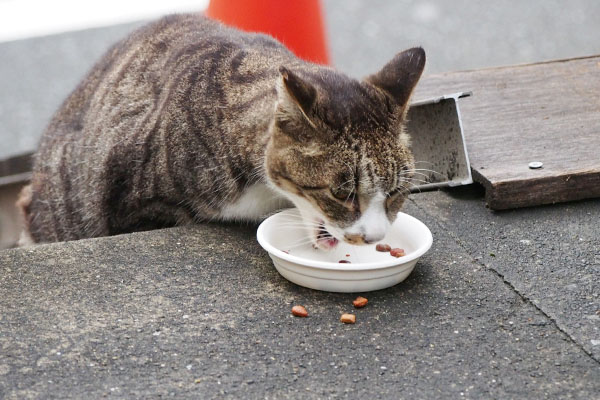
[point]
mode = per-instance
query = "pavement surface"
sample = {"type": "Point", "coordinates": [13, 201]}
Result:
{"type": "Point", "coordinates": [201, 312]}
{"type": "Point", "coordinates": [505, 305]}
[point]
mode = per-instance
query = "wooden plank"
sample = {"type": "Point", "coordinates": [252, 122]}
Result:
{"type": "Point", "coordinates": [16, 169]}
{"type": "Point", "coordinates": [548, 112]}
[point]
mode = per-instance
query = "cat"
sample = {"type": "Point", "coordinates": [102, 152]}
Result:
{"type": "Point", "coordinates": [188, 120]}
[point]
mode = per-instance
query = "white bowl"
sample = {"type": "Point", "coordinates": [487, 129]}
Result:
{"type": "Point", "coordinates": [288, 244]}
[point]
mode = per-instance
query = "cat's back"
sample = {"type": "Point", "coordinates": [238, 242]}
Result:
{"type": "Point", "coordinates": [157, 57]}
{"type": "Point", "coordinates": [123, 136]}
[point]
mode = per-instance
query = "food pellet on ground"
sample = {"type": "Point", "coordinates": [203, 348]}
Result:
{"type": "Point", "coordinates": [299, 311]}
{"type": "Point", "coordinates": [397, 252]}
{"type": "Point", "coordinates": [344, 262]}
{"type": "Point", "coordinates": [348, 318]}
{"type": "Point", "coordinates": [360, 302]}
{"type": "Point", "coordinates": [383, 247]}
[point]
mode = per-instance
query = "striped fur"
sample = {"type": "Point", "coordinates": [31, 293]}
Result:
{"type": "Point", "coordinates": [177, 121]}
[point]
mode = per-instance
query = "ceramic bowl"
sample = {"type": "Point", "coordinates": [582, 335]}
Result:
{"type": "Point", "coordinates": [289, 246]}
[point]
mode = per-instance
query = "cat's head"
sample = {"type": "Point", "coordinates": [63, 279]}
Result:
{"type": "Point", "coordinates": [338, 149]}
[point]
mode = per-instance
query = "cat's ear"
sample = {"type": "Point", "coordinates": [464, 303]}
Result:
{"type": "Point", "coordinates": [296, 96]}
{"type": "Point", "coordinates": [399, 77]}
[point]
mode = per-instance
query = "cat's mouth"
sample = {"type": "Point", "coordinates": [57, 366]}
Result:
{"type": "Point", "coordinates": [324, 239]}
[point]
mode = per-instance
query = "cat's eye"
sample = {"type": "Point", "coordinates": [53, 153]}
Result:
{"type": "Point", "coordinates": [340, 194]}
{"type": "Point", "coordinates": [311, 188]}
{"type": "Point", "coordinates": [344, 187]}
{"type": "Point", "coordinates": [344, 195]}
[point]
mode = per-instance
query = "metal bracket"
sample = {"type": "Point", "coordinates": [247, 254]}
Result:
{"type": "Point", "coordinates": [438, 143]}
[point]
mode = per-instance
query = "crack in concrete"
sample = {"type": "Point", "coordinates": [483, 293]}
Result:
{"type": "Point", "coordinates": [523, 296]}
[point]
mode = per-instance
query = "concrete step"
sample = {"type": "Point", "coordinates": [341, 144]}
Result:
{"type": "Point", "coordinates": [201, 311]}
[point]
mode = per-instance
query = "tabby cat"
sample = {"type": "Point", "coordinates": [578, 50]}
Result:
{"type": "Point", "coordinates": [187, 120]}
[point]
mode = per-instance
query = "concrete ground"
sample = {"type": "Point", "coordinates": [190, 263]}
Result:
{"type": "Point", "coordinates": [505, 305]}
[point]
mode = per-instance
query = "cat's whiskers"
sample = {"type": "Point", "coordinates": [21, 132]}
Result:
{"type": "Point", "coordinates": [350, 180]}
{"type": "Point", "coordinates": [411, 173]}
{"type": "Point", "coordinates": [306, 241]}
{"type": "Point", "coordinates": [415, 170]}
{"type": "Point", "coordinates": [425, 175]}
{"type": "Point", "coordinates": [401, 187]}
{"type": "Point", "coordinates": [302, 242]}
{"type": "Point", "coordinates": [290, 225]}
{"type": "Point", "coordinates": [302, 224]}
{"type": "Point", "coordinates": [411, 180]}
{"type": "Point", "coordinates": [296, 245]}
{"type": "Point", "coordinates": [299, 220]}
{"type": "Point", "coordinates": [423, 162]}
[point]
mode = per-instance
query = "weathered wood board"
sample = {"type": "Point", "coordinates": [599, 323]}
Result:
{"type": "Point", "coordinates": [548, 112]}
{"type": "Point", "coordinates": [16, 169]}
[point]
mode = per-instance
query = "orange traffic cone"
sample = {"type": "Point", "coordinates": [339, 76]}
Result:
{"type": "Point", "coordinates": [298, 24]}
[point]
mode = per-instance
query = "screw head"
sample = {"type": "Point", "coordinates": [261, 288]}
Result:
{"type": "Point", "coordinates": [536, 164]}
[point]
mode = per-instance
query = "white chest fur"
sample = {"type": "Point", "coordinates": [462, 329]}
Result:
{"type": "Point", "coordinates": [254, 204]}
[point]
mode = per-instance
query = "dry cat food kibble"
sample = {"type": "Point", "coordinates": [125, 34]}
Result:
{"type": "Point", "coordinates": [397, 252]}
{"type": "Point", "coordinates": [299, 311]}
{"type": "Point", "coordinates": [383, 247]}
{"type": "Point", "coordinates": [348, 318]}
{"type": "Point", "coordinates": [360, 302]}
{"type": "Point", "coordinates": [344, 262]}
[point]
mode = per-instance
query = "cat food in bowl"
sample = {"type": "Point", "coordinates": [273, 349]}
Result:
{"type": "Point", "coordinates": [397, 252]}
{"type": "Point", "coordinates": [294, 257]}
{"type": "Point", "coordinates": [383, 247]}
